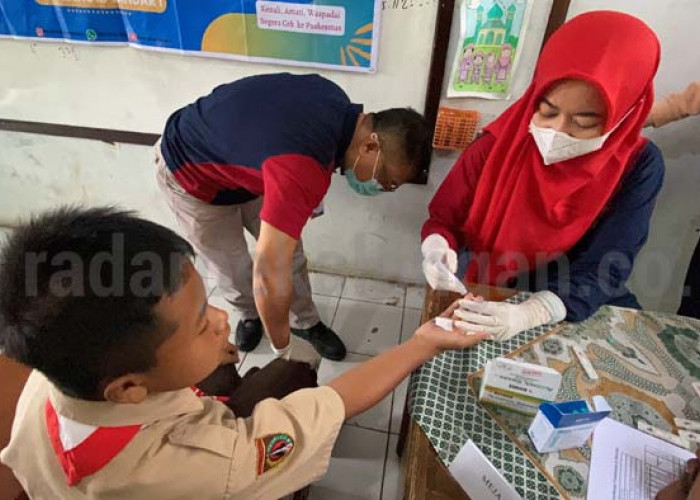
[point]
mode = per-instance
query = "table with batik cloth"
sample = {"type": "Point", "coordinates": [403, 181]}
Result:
{"type": "Point", "coordinates": [645, 362]}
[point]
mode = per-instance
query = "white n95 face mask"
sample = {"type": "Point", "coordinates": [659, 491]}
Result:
{"type": "Point", "coordinates": [557, 146]}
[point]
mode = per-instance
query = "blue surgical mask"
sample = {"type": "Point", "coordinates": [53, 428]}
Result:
{"type": "Point", "coordinates": [371, 187]}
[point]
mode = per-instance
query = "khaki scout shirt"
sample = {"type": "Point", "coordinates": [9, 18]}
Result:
{"type": "Point", "coordinates": [188, 447]}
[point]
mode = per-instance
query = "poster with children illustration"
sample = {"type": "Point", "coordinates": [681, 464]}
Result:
{"type": "Point", "coordinates": [491, 33]}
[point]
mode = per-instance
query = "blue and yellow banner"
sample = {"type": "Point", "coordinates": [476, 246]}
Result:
{"type": "Point", "coordinates": [336, 34]}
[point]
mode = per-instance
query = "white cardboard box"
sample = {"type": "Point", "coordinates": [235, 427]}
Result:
{"type": "Point", "coordinates": [518, 386]}
{"type": "Point", "coordinates": [560, 426]}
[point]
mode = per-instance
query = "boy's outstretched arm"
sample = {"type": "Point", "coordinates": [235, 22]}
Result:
{"type": "Point", "coordinates": [367, 384]}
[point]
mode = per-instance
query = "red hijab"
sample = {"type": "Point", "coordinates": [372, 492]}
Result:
{"type": "Point", "coordinates": [524, 213]}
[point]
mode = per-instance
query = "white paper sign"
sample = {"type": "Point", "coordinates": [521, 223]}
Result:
{"type": "Point", "coordinates": [478, 477]}
{"type": "Point", "coordinates": [301, 17]}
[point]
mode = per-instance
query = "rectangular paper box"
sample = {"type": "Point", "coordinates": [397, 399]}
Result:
{"type": "Point", "coordinates": [559, 426]}
{"type": "Point", "coordinates": [518, 386]}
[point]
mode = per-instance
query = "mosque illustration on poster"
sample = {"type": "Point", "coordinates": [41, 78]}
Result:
{"type": "Point", "coordinates": [485, 59]}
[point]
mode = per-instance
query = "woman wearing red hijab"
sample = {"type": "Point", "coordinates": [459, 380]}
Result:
{"type": "Point", "coordinates": [557, 194]}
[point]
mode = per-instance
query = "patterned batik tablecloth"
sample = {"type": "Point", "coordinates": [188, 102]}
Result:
{"type": "Point", "coordinates": [646, 363]}
{"type": "Point", "coordinates": [440, 402]}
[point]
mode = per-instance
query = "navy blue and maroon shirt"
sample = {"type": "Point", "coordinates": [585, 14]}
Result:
{"type": "Point", "coordinates": [280, 135]}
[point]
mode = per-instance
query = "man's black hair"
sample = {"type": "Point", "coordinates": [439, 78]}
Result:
{"type": "Point", "coordinates": [78, 289]}
{"type": "Point", "coordinates": [410, 135]}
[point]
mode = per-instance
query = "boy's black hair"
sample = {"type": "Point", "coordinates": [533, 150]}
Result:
{"type": "Point", "coordinates": [77, 292]}
{"type": "Point", "coordinates": [410, 134]}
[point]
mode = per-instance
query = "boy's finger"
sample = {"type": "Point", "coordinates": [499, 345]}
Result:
{"type": "Point", "coordinates": [474, 327]}
{"type": "Point", "coordinates": [450, 310]}
{"type": "Point", "coordinates": [473, 298]}
{"type": "Point", "coordinates": [470, 340]}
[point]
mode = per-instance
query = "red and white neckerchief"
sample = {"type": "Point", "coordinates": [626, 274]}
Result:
{"type": "Point", "coordinates": [200, 393]}
{"type": "Point", "coordinates": [84, 449]}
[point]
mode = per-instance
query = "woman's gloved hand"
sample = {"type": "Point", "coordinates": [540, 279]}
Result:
{"type": "Point", "coordinates": [504, 320]}
{"type": "Point", "coordinates": [440, 264]}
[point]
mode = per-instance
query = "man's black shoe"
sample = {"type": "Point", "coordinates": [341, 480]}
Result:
{"type": "Point", "coordinates": [324, 340]}
{"type": "Point", "coordinates": [248, 334]}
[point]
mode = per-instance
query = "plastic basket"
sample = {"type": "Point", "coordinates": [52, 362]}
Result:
{"type": "Point", "coordinates": [455, 128]}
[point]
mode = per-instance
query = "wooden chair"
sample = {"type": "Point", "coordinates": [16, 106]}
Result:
{"type": "Point", "coordinates": [12, 379]}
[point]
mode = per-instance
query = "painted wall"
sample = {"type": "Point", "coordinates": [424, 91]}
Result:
{"type": "Point", "coordinates": [129, 89]}
{"type": "Point", "coordinates": [134, 90]}
{"type": "Point", "coordinates": [661, 267]}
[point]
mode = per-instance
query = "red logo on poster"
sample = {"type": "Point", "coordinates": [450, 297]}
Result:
{"type": "Point", "coordinates": [39, 31]}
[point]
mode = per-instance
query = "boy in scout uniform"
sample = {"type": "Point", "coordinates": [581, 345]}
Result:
{"type": "Point", "coordinates": [110, 312]}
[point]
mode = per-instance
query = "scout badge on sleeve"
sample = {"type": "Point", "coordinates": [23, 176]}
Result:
{"type": "Point", "coordinates": [273, 450]}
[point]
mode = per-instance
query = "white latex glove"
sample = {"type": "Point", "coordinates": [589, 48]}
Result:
{"type": "Point", "coordinates": [298, 350]}
{"type": "Point", "coordinates": [440, 264]}
{"type": "Point", "coordinates": [503, 320]}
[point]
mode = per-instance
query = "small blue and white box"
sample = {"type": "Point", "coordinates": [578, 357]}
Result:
{"type": "Point", "coordinates": [559, 426]}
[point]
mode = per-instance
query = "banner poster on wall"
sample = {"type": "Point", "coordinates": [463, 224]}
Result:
{"type": "Point", "coordinates": [332, 34]}
{"type": "Point", "coordinates": [491, 36]}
